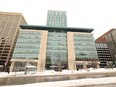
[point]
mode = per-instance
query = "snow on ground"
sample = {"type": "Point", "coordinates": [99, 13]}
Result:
{"type": "Point", "coordinates": [68, 83]}
{"type": "Point", "coordinates": [52, 72]}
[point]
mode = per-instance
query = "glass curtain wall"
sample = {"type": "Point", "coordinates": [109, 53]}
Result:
{"type": "Point", "coordinates": [85, 49]}
{"type": "Point", "coordinates": [27, 47]}
{"type": "Point", "coordinates": [56, 58]}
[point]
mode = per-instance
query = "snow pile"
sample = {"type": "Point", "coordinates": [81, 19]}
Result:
{"type": "Point", "coordinates": [5, 74]}
{"type": "Point", "coordinates": [102, 70]}
{"type": "Point", "coordinates": [90, 70]}
{"type": "Point", "coordinates": [68, 83]}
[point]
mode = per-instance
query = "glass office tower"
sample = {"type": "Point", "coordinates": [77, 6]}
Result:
{"type": "Point", "coordinates": [57, 41]}
{"type": "Point", "coordinates": [56, 50]}
{"type": "Point", "coordinates": [59, 47]}
{"type": "Point", "coordinates": [56, 18]}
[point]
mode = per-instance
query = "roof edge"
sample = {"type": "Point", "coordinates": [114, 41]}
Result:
{"type": "Point", "coordinates": [38, 27]}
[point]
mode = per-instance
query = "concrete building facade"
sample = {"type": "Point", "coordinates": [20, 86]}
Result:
{"type": "Point", "coordinates": [111, 42]}
{"type": "Point", "coordinates": [9, 29]}
{"type": "Point", "coordinates": [103, 53]}
{"type": "Point", "coordinates": [106, 48]}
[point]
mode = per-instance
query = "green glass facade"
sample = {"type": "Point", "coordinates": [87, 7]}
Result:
{"type": "Point", "coordinates": [27, 46]}
{"type": "Point", "coordinates": [56, 18]}
{"type": "Point", "coordinates": [57, 41]}
{"type": "Point", "coordinates": [56, 50]}
{"type": "Point", "coordinates": [27, 49]}
{"type": "Point", "coordinates": [85, 47]}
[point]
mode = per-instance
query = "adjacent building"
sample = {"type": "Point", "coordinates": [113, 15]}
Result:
{"type": "Point", "coordinates": [9, 29]}
{"type": "Point", "coordinates": [55, 46]}
{"type": "Point", "coordinates": [103, 52]}
{"type": "Point", "coordinates": [111, 42]}
{"type": "Point", "coordinates": [56, 18]}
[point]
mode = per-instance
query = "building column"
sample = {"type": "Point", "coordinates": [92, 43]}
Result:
{"type": "Point", "coordinates": [42, 52]}
{"type": "Point", "coordinates": [85, 65]}
{"type": "Point", "coordinates": [98, 66]}
{"type": "Point", "coordinates": [71, 51]}
{"type": "Point", "coordinates": [12, 66]}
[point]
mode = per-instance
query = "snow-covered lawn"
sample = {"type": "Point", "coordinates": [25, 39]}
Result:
{"type": "Point", "coordinates": [68, 83]}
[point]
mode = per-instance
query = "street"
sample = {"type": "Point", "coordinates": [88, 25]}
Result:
{"type": "Point", "coordinates": [18, 80]}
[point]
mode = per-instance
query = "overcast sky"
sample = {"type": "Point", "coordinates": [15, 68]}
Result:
{"type": "Point", "coordinates": [97, 14]}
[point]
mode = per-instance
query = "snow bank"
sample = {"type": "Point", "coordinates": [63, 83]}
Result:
{"type": "Point", "coordinates": [81, 82]}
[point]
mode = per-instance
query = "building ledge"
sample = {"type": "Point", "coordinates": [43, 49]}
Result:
{"type": "Point", "coordinates": [69, 29]}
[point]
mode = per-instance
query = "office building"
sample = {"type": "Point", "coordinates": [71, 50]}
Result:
{"type": "Point", "coordinates": [56, 18]}
{"type": "Point", "coordinates": [9, 29]}
{"type": "Point", "coordinates": [55, 46]}
{"type": "Point", "coordinates": [103, 53]}
{"type": "Point", "coordinates": [111, 42]}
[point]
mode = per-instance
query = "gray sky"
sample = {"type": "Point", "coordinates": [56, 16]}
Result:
{"type": "Point", "coordinates": [97, 14]}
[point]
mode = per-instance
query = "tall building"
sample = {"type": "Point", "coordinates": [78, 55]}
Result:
{"type": "Point", "coordinates": [103, 53]}
{"type": "Point", "coordinates": [9, 29]}
{"type": "Point", "coordinates": [57, 40]}
{"type": "Point", "coordinates": [56, 18]}
{"type": "Point", "coordinates": [54, 46]}
{"type": "Point", "coordinates": [110, 37]}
